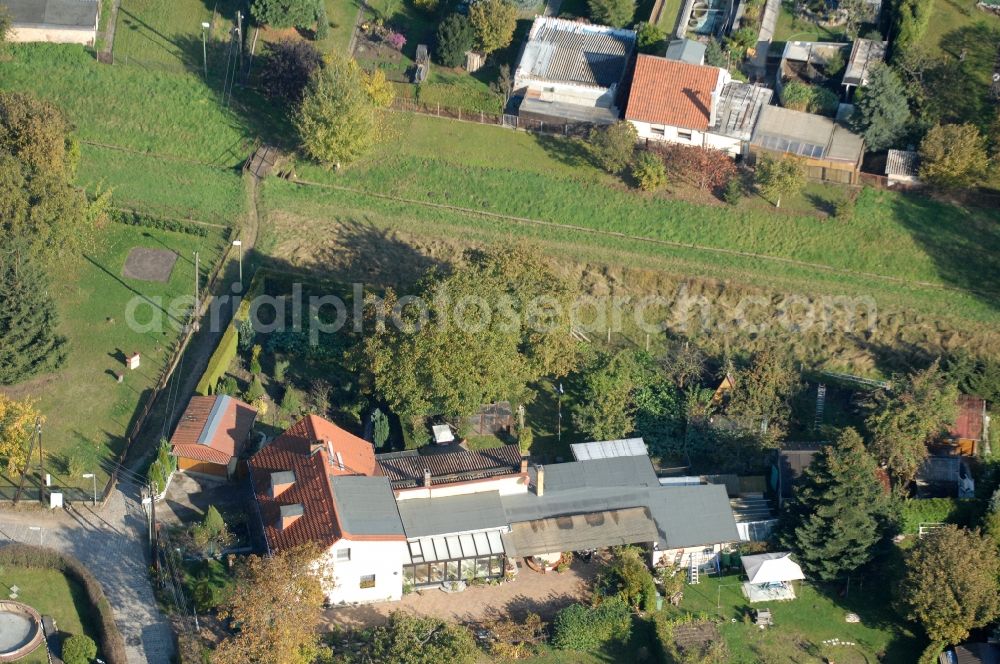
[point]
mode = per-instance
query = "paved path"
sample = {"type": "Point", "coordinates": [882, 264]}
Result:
{"type": "Point", "coordinates": [532, 592]}
{"type": "Point", "coordinates": [111, 543]}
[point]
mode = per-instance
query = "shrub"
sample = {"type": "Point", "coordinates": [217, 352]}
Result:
{"type": "Point", "coordinates": [429, 6]}
{"type": "Point", "coordinates": [796, 95]}
{"type": "Point", "coordinates": [953, 156]}
{"type": "Point", "coordinates": [844, 209]}
{"type": "Point", "coordinates": [733, 191]}
{"type": "Point", "coordinates": [136, 218]}
{"type": "Point", "coordinates": [112, 645]}
{"type": "Point", "coordinates": [291, 404]}
{"type": "Point", "coordinates": [649, 171]}
{"type": "Point", "coordinates": [281, 370]}
{"type": "Point", "coordinates": [579, 627]}
{"type": "Point", "coordinates": [612, 146]}
{"type": "Point", "coordinates": [396, 40]}
{"type": "Point", "coordinates": [219, 363]}
{"type": "Point", "coordinates": [288, 64]}
{"type": "Point", "coordinates": [913, 512]}
{"type": "Point", "coordinates": [651, 38]}
{"type": "Point", "coordinates": [628, 578]}
{"type": "Point", "coordinates": [616, 13]}
{"type": "Point", "coordinates": [455, 36]}
{"type": "Point", "coordinates": [525, 438]}
{"type": "Point", "coordinates": [254, 391]}
{"type": "Point", "coordinates": [79, 649]}
{"type": "Point", "coordinates": [322, 21]}
{"type": "Point", "coordinates": [227, 385]}
{"type": "Point", "coordinates": [284, 13]}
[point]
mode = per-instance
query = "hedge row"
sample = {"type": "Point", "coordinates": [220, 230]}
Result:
{"type": "Point", "coordinates": [914, 511]}
{"type": "Point", "coordinates": [581, 627]}
{"type": "Point", "coordinates": [25, 555]}
{"type": "Point", "coordinates": [136, 218]}
{"type": "Point", "coordinates": [219, 363]}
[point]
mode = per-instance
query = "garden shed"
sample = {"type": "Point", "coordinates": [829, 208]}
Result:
{"type": "Point", "coordinates": [829, 150]}
{"type": "Point", "coordinates": [59, 21]}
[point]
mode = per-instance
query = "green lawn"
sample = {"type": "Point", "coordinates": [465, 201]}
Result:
{"type": "Point", "coordinates": [87, 412]}
{"type": "Point", "coordinates": [341, 14]}
{"type": "Point", "coordinates": [669, 16]}
{"type": "Point", "coordinates": [149, 110]}
{"type": "Point", "coordinates": [801, 625]}
{"type": "Point", "coordinates": [792, 28]}
{"type": "Point", "coordinates": [51, 594]}
{"type": "Point", "coordinates": [490, 169]}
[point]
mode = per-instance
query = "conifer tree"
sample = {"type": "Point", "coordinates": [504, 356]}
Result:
{"type": "Point", "coordinates": [834, 520]}
{"type": "Point", "coordinates": [29, 344]}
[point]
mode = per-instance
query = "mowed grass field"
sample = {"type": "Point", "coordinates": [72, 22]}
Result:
{"type": "Point", "coordinates": [51, 594]}
{"type": "Point", "coordinates": [911, 250]}
{"type": "Point", "coordinates": [87, 412]}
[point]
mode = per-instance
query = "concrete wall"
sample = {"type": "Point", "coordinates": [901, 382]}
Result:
{"type": "Point", "coordinates": [569, 93]}
{"type": "Point", "coordinates": [57, 35]}
{"type": "Point", "coordinates": [383, 559]}
{"type": "Point", "coordinates": [732, 146]}
{"type": "Point", "coordinates": [508, 485]}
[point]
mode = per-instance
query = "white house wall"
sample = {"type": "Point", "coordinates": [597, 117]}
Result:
{"type": "Point", "coordinates": [383, 559]}
{"type": "Point", "coordinates": [505, 485]}
{"type": "Point", "coordinates": [56, 35]}
{"type": "Point", "coordinates": [732, 146]}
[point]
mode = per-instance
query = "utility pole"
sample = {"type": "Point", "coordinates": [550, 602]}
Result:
{"type": "Point", "coordinates": [41, 463]}
{"type": "Point", "coordinates": [197, 287]}
{"type": "Point", "coordinates": [204, 48]}
{"type": "Point", "coordinates": [559, 393]}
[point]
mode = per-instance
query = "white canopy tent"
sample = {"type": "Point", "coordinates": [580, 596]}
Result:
{"type": "Point", "coordinates": [772, 568]}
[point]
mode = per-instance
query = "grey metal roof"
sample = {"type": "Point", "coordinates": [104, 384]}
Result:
{"type": "Point", "coordinates": [423, 517]}
{"type": "Point", "coordinates": [693, 515]}
{"type": "Point", "coordinates": [684, 515]}
{"type": "Point", "coordinates": [686, 50]}
{"type": "Point", "coordinates": [632, 525]}
{"type": "Point", "coordinates": [62, 13]}
{"type": "Point", "coordinates": [626, 471]}
{"type": "Point", "coordinates": [738, 108]}
{"type": "Point", "coordinates": [901, 162]}
{"type": "Point", "coordinates": [807, 135]}
{"type": "Point", "coordinates": [366, 505]}
{"type": "Point", "coordinates": [560, 50]}
{"type": "Point", "coordinates": [533, 108]}
{"type": "Point", "coordinates": [865, 54]}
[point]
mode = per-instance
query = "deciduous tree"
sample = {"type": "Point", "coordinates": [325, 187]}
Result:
{"type": "Point", "coordinates": [288, 66]}
{"type": "Point", "coordinates": [494, 22]}
{"type": "Point", "coordinates": [29, 341]}
{"type": "Point", "coordinates": [338, 121]}
{"type": "Point", "coordinates": [606, 410]}
{"type": "Point", "coordinates": [38, 134]}
{"type": "Point", "coordinates": [616, 13]}
{"type": "Point", "coordinates": [764, 388]}
{"type": "Point", "coordinates": [455, 36]}
{"type": "Point", "coordinates": [409, 639]}
{"type": "Point", "coordinates": [901, 420]}
{"type": "Point", "coordinates": [17, 425]}
{"type": "Point", "coordinates": [472, 337]}
{"type": "Point", "coordinates": [276, 607]}
{"type": "Point", "coordinates": [649, 171]}
{"type": "Point", "coordinates": [779, 176]}
{"type": "Point", "coordinates": [950, 585]}
{"type": "Point", "coordinates": [706, 168]}
{"type": "Point", "coordinates": [882, 110]}
{"type": "Point", "coordinates": [284, 13]}
{"type": "Point", "coordinates": [834, 522]}
{"type": "Point", "coordinates": [613, 146]}
{"type": "Point", "coordinates": [953, 156]}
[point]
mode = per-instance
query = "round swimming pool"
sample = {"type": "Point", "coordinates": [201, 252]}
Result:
{"type": "Point", "coordinates": [20, 630]}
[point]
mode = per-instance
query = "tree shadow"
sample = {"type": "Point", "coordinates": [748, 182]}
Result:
{"type": "Point", "coordinates": [570, 151]}
{"type": "Point", "coordinates": [963, 244]}
{"type": "Point", "coordinates": [962, 86]}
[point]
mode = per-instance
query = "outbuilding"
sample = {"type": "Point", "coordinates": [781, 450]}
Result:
{"type": "Point", "coordinates": [58, 21]}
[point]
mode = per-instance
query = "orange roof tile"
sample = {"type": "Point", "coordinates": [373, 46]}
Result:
{"type": "Point", "coordinates": [305, 450]}
{"type": "Point", "coordinates": [670, 92]}
{"type": "Point", "coordinates": [213, 429]}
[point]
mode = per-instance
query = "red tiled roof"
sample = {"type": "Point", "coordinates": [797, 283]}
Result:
{"type": "Point", "coordinates": [305, 450]}
{"type": "Point", "coordinates": [670, 92]}
{"type": "Point", "coordinates": [201, 437]}
{"type": "Point", "coordinates": [969, 423]}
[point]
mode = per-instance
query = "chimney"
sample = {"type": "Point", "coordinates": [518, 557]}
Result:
{"type": "Point", "coordinates": [289, 514]}
{"type": "Point", "coordinates": [524, 465]}
{"type": "Point", "coordinates": [427, 478]}
{"type": "Point", "coordinates": [713, 109]}
{"type": "Point", "coordinates": [539, 481]}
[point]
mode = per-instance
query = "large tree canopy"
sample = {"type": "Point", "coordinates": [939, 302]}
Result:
{"type": "Point", "coordinates": [902, 419]}
{"type": "Point", "coordinates": [341, 114]}
{"type": "Point", "coordinates": [834, 520]}
{"type": "Point", "coordinates": [38, 134]}
{"type": "Point", "coordinates": [494, 22]}
{"type": "Point", "coordinates": [29, 343]}
{"type": "Point", "coordinates": [472, 337]}
{"type": "Point", "coordinates": [764, 388]}
{"type": "Point", "coordinates": [950, 586]}
{"type": "Point", "coordinates": [277, 605]}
